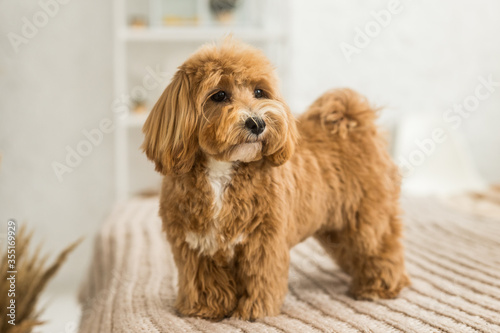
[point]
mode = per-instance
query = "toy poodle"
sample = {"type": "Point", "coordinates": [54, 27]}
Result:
{"type": "Point", "coordinates": [245, 181]}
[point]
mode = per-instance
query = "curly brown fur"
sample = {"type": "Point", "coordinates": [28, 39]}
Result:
{"type": "Point", "coordinates": [234, 202]}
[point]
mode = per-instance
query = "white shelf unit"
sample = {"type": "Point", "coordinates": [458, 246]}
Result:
{"type": "Point", "coordinates": [195, 34]}
{"type": "Point", "coordinates": [271, 36]}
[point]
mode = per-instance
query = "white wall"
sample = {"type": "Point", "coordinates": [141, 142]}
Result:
{"type": "Point", "coordinates": [55, 86]}
{"type": "Point", "coordinates": [427, 59]}
{"type": "Point", "coordinates": [59, 84]}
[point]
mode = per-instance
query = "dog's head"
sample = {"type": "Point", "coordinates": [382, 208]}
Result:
{"type": "Point", "coordinates": [222, 102]}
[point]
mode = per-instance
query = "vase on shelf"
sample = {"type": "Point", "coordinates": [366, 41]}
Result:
{"type": "Point", "coordinates": [223, 10]}
{"type": "Point", "coordinates": [139, 105]}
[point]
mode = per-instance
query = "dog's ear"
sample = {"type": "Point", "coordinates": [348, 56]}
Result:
{"type": "Point", "coordinates": [170, 130]}
{"type": "Point", "coordinates": [286, 151]}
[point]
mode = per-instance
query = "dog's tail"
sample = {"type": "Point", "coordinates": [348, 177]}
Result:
{"type": "Point", "coordinates": [341, 111]}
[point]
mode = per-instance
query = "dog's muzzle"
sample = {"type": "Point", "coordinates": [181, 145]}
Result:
{"type": "Point", "coordinates": [255, 125]}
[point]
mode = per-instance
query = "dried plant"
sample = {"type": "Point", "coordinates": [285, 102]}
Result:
{"type": "Point", "coordinates": [32, 276]}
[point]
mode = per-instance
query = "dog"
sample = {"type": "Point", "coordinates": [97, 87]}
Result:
{"type": "Point", "coordinates": [244, 181]}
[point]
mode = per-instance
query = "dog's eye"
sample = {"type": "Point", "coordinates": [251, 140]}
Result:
{"type": "Point", "coordinates": [258, 93]}
{"type": "Point", "coordinates": [219, 96]}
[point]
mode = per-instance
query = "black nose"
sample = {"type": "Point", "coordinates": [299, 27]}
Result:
{"type": "Point", "coordinates": [255, 124]}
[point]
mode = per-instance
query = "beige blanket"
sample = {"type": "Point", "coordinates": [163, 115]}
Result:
{"type": "Point", "coordinates": [453, 258]}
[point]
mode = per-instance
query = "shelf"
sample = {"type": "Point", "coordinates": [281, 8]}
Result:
{"type": "Point", "coordinates": [261, 23]}
{"type": "Point", "coordinates": [197, 34]}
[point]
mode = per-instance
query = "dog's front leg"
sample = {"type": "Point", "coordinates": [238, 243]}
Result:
{"type": "Point", "coordinates": [206, 286]}
{"type": "Point", "coordinates": [262, 275]}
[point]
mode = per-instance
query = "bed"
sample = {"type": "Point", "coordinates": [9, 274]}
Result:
{"type": "Point", "coordinates": [453, 258]}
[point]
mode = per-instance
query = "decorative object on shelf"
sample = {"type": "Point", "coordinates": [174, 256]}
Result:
{"type": "Point", "coordinates": [223, 10]}
{"type": "Point", "coordinates": [177, 12]}
{"type": "Point", "coordinates": [138, 22]}
{"type": "Point", "coordinates": [139, 105]}
{"type": "Point", "coordinates": [178, 20]}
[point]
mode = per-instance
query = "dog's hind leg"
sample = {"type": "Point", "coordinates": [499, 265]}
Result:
{"type": "Point", "coordinates": [373, 258]}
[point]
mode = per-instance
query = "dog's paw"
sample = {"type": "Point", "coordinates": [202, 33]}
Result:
{"type": "Point", "coordinates": [254, 309]}
{"type": "Point", "coordinates": [213, 310]}
{"type": "Point", "coordinates": [204, 312]}
{"type": "Point", "coordinates": [378, 289]}
{"type": "Point", "coordinates": [371, 294]}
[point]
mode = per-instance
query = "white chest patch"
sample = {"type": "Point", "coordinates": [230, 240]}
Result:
{"type": "Point", "coordinates": [219, 176]}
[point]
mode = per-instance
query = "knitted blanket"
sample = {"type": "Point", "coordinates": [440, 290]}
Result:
{"type": "Point", "coordinates": [453, 259]}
